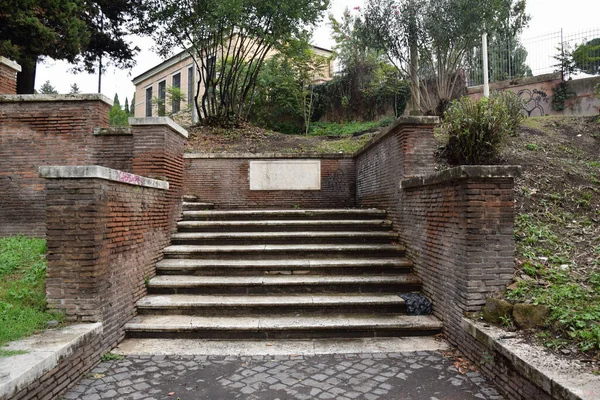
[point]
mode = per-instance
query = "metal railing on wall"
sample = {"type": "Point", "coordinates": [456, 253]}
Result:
{"type": "Point", "coordinates": [576, 54]}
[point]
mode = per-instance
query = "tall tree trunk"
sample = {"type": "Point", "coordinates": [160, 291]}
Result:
{"type": "Point", "coordinates": [26, 78]}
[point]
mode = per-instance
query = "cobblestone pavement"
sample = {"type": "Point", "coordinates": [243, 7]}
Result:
{"type": "Point", "coordinates": [399, 376]}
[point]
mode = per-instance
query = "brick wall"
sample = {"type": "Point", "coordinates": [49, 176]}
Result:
{"type": "Point", "coordinates": [8, 76]}
{"type": "Point", "coordinates": [104, 238]}
{"type": "Point", "coordinates": [83, 356]}
{"type": "Point", "coordinates": [225, 182]}
{"type": "Point", "coordinates": [405, 149]}
{"type": "Point", "coordinates": [37, 130]}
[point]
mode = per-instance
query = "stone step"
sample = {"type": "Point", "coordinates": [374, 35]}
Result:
{"type": "Point", "coordinates": [282, 327]}
{"type": "Point", "coordinates": [197, 205]}
{"type": "Point", "coordinates": [285, 225]}
{"type": "Point", "coordinates": [262, 251]}
{"type": "Point", "coordinates": [343, 213]}
{"type": "Point", "coordinates": [218, 305]}
{"type": "Point", "coordinates": [270, 284]}
{"type": "Point", "coordinates": [243, 267]}
{"type": "Point", "coordinates": [201, 238]}
{"type": "Point", "coordinates": [188, 197]}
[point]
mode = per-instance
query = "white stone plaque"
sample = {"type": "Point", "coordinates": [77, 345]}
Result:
{"type": "Point", "coordinates": [285, 175]}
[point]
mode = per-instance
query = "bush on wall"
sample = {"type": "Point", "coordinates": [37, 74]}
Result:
{"type": "Point", "coordinates": [476, 129]}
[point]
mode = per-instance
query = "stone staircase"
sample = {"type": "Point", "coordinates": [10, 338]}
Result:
{"type": "Point", "coordinates": [268, 274]}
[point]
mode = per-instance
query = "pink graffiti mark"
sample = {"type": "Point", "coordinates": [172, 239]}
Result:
{"type": "Point", "coordinates": [126, 177]}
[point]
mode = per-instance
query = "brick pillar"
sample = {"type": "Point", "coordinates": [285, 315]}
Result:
{"type": "Point", "coordinates": [417, 146]}
{"type": "Point", "coordinates": [158, 147]}
{"type": "Point", "coordinates": [8, 76]}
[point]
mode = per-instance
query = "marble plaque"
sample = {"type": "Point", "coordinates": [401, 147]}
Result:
{"type": "Point", "coordinates": [285, 175]}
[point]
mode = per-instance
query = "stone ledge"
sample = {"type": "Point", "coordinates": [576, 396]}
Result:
{"type": "Point", "coordinates": [561, 379]}
{"type": "Point", "coordinates": [463, 172]}
{"type": "Point", "coordinates": [22, 98]}
{"type": "Point", "coordinates": [98, 172]}
{"type": "Point", "coordinates": [266, 155]}
{"type": "Point", "coordinates": [164, 121]}
{"type": "Point", "coordinates": [408, 121]}
{"type": "Point", "coordinates": [43, 353]}
{"type": "Point", "coordinates": [112, 131]}
{"type": "Point", "coordinates": [10, 64]}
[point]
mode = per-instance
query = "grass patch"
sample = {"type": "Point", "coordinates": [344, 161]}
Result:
{"type": "Point", "coordinates": [111, 357]}
{"type": "Point", "coordinates": [345, 128]}
{"type": "Point", "coordinates": [22, 288]}
{"type": "Point", "coordinates": [10, 353]}
{"type": "Point", "coordinates": [345, 145]}
{"type": "Point", "coordinates": [573, 296]}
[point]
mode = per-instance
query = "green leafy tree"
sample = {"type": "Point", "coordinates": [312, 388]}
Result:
{"type": "Point", "coordinates": [79, 32]}
{"type": "Point", "coordinates": [229, 41]}
{"type": "Point", "coordinates": [117, 116]}
{"type": "Point", "coordinates": [433, 39]}
{"type": "Point", "coordinates": [586, 57]}
{"type": "Point", "coordinates": [47, 88]}
{"type": "Point", "coordinates": [126, 106]}
{"type": "Point", "coordinates": [74, 89]}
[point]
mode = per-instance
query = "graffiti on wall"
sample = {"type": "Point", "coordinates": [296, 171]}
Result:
{"type": "Point", "coordinates": [336, 182]}
{"type": "Point", "coordinates": [533, 101]}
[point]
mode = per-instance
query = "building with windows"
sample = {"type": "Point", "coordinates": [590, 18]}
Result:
{"type": "Point", "coordinates": [152, 87]}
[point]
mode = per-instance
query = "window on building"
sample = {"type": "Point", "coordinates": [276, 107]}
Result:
{"type": "Point", "coordinates": [190, 85]}
{"type": "Point", "coordinates": [149, 102]}
{"type": "Point", "coordinates": [162, 98]}
{"type": "Point", "coordinates": [176, 100]}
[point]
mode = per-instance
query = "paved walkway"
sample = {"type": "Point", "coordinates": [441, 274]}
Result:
{"type": "Point", "coordinates": [423, 375]}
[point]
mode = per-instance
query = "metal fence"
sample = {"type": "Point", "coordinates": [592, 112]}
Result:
{"type": "Point", "coordinates": [575, 54]}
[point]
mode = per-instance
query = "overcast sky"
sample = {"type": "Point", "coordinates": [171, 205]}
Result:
{"type": "Point", "coordinates": [547, 16]}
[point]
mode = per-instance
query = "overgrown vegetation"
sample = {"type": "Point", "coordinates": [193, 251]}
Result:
{"type": "Point", "coordinates": [22, 288]}
{"type": "Point", "coordinates": [476, 129]}
{"type": "Point", "coordinates": [557, 227]}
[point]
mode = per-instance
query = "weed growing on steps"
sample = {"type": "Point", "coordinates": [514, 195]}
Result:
{"type": "Point", "coordinates": [111, 357]}
{"type": "Point", "coordinates": [22, 288]}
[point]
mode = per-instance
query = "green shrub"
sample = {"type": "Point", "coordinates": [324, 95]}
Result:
{"type": "Point", "coordinates": [476, 129]}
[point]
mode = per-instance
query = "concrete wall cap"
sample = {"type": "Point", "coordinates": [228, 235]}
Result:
{"type": "Point", "coordinates": [266, 155]}
{"type": "Point", "coordinates": [10, 64]}
{"type": "Point", "coordinates": [164, 121]}
{"type": "Point", "coordinates": [560, 378]}
{"type": "Point", "coordinates": [407, 121]}
{"type": "Point", "coordinates": [43, 352]}
{"type": "Point", "coordinates": [21, 98]}
{"type": "Point", "coordinates": [463, 172]}
{"type": "Point", "coordinates": [99, 172]}
{"type": "Point", "coordinates": [528, 80]}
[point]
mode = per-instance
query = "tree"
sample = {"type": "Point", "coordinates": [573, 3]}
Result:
{"type": "Point", "coordinates": [47, 88]}
{"type": "Point", "coordinates": [78, 31]}
{"type": "Point", "coordinates": [229, 42]}
{"type": "Point", "coordinates": [126, 106]}
{"type": "Point", "coordinates": [74, 89]}
{"type": "Point", "coordinates": [117, 116]}
{"type": "Point", "coordinates": [586, 57]}
{"type": "Point", "coordinates": [443, 32]}
{"type": "Point", "coordinates": [132, 107]}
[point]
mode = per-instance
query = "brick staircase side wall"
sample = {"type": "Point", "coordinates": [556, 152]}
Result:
{"type": "Point", "coordinates": [40, 130]}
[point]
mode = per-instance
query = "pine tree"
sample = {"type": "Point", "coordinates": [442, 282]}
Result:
{"type": "Point", "coordinates": [116, 115]}
{"type": "Point", "coordinates": [74, 89]}
{"type": "Point", "coordinates": [47, 88]}
{"type": "Point", "coordinates": [132, 109]}
{"type": "Point", "coordinates": [126, 106]}
{"type": "Point", "coordinates": [116, 101]}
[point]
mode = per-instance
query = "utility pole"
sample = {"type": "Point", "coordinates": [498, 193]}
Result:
{"type": "Point", "coordinates": [484, 53]}
{"type": "Point", "coordinates": [100, 58]}
{"type": "Point", "coordinates": [414, 60]}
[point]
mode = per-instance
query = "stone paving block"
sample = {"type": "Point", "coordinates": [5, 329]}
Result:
{"type": "Point", "coordinates": [286, 378]}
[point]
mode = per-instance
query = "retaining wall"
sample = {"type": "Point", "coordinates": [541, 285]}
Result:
{"type": "Point", "coordinates": [225, 180]}
{"type": "Point", "coordinates": [537, 93]}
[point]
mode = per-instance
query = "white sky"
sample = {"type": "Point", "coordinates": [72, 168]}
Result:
{"type": "Point", "coordinates": [547, 16]}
